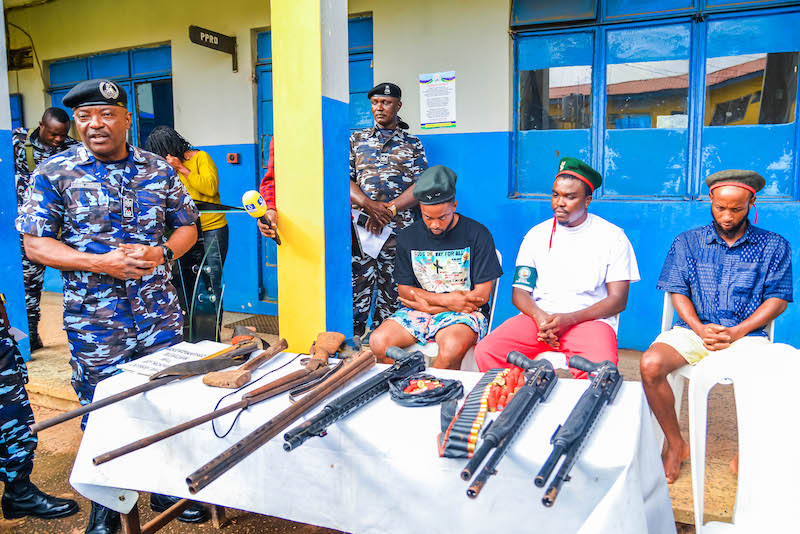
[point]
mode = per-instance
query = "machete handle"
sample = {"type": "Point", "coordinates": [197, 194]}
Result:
{"type": "Point", "coordinates": [265, 356]}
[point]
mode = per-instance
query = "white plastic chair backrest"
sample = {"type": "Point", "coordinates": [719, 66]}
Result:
{"type": "Point", "coordinates": [769, 468]}
{"type": "Point", "coordinates": [668, 314]}
{"type": "Point", "coordinates": [493, 295]}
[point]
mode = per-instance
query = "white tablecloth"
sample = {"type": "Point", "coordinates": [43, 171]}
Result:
{"type": "Point", "coordinates": [378, 470]}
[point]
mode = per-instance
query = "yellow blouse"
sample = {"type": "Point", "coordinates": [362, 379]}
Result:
{"type": "Point", "coordinates": [203, 184]}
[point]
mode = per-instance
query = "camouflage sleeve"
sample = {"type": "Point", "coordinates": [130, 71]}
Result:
{"type": "Point", "coordinates": [42, 213]}
{"type": "Point", "coordinates": [420, 159]}
{"type": "Point", "coordinates": [181, 210]}
{"type": "Point", "coordinates": [352, 157]}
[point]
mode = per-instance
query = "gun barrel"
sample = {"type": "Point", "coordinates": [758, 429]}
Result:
{"type": "Point", "coordinates": [92, 406]}
{"type": "Point", "coordinates": [562, 476]}
{"type": "Point", "coordinates": [235, 454]}
{"type": "Point", "coordinates": [475, 462]}
{"type": "Point", "coordinates": [253, 397]}
{"type": "Point", "coordinates": [549, 465]}
{"type": "Point", "coordinates": [477, 485]}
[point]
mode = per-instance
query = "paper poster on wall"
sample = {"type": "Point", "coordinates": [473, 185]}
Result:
{"type": "Point", "coordinates": [437, 100]}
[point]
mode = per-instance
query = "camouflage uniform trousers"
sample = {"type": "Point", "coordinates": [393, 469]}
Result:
{"type": "Point", "coordinates": [16, 441]}
{"type": "Point", "coordinates": [373, 274]}
{"type": "Point", "coordinates": [33, 276]}
{"type": "Point", "coordinates": [97, 350]}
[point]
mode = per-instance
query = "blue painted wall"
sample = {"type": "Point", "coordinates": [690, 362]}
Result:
{"type": "Point", "coordinates": [336, 189]}
{"type": "Point", "coordinates": [481, 162]}
{"type": "Point", "coordinates": [11, 262]}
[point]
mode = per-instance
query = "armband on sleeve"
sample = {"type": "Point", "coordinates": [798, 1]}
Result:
{"type": "Point", "coordinates": [525, 277]}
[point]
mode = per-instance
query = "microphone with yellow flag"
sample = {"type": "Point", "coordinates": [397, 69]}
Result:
{"type": "Point", "coordinates": [254, 205]}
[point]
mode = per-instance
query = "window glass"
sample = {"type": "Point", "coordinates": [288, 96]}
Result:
{"type": "Point", "coordinates": [153, 107]}
{"type": "Point", "coordinates": [557, 98]}
{"type": "Point", "coordinates": [647, 94]}
{"type": "Point", "coordinates": [751, 89]}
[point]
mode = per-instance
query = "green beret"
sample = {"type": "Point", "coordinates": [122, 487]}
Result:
{"type": "Point", "coordinates": [749, 180]}
{"type": "Point", "coordinates": [99, 92]}
{"type": "Point", "coordinates": [575, 168]}
{"type": "Point", "coordinates": [435, 186]}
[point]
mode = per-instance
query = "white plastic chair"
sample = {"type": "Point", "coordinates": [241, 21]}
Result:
{"type": "Point", "coordinates": [677, 379]}
{"type": "Point", "coordinates": [431, 349]}
{"type": "Point", "coordinates": [768, 465]}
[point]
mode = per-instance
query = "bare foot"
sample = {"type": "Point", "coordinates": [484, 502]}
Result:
{"type": "Point", "coordinates": [734, 465]}
{"type": "Point", "coordinates": [672, 458]}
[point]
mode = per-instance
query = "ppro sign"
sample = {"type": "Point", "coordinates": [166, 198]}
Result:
{"type": "Point", "coordinates": [215, 41]}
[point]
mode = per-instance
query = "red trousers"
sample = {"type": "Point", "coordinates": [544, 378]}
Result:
{"type": "Point", "coordinates": [594, 340]}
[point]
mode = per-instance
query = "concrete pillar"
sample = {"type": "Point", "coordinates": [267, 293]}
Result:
{"type": "Point", "coordinates": [10, 262]}
{"type": "Point", "coordinates": [311, 95]}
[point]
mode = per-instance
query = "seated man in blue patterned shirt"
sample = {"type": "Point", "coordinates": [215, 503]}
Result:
{"type": "Point", "coordinates": [728, 280]}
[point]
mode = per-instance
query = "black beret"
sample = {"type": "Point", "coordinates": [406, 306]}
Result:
{"type": "Point", "coordinates": [435, 186]}
{"type": "Point", "coordinates": [385, 89]}
{"type": "Point", "coordinates": [749, 180]}
{"type": "Point", "coordinates": [98, 92]}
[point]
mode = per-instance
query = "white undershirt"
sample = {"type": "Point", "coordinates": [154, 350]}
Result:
{"type": "Point", "coordinates": [572, 275]}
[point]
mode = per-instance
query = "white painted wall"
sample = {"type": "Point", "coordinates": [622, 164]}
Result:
{"type": "Point", "coordinates": [215, 106]}
{"type": "Point", "coordinates": [471, 37]}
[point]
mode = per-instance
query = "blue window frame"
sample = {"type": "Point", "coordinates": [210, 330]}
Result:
{"type": "Point", "coordinates": [671, 100]}
{"type": "Point", "coordinates": [144, 73]}
{"type": "Point", "coordinates": [16, 110]}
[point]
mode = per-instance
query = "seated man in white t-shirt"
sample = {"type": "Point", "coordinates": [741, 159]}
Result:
{"type": "Point", "coordinates": [571, 280]}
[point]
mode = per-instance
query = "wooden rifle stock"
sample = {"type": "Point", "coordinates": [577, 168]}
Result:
{"type": "Point", "coordinates": [235, 454]}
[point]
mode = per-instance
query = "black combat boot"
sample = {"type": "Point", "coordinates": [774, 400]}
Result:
{"type": "Point", "coordinates": [102, 520]}
{"type": "Point", "coordinates": [196, 513]}
{"type": "Point", "coordinates": [21, 498]}
{"type": "Point", "coordinates": [36, 341]}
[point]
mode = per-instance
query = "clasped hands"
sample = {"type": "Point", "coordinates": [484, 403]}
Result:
{"type": "Point", "coordinates": [379, 216]}
{"type": "Point", "coordinates": [131, 262]}
{"type": "Point", "coordinates": [552, 327]}
{"type": "Point", "coordinates": [717, 337]}
{"type": "Point", "coordinates": [456, 301]}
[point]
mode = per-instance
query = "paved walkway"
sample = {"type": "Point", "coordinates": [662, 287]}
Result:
{"type": "Point", "coordinates": [50, 390]}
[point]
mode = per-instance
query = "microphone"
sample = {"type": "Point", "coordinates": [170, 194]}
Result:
{"type": "Point", "coordinates": [254, 205]}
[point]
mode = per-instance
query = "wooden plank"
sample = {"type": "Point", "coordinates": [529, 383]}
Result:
{"type": "Point", "coordinates": [166, 516]}
{"type": "Point", "coordinates": [217, 516]}
{"type": "Point", "coordinates": [130, 521]}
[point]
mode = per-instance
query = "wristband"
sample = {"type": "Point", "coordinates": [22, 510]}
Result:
{"type": "Point", "coordinates": [392, 208]}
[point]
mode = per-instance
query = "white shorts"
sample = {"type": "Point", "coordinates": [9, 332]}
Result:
{"type": "Point", "coordinates": [690, 345]}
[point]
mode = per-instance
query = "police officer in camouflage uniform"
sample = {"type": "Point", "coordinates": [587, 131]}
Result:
{"type": "Point", "coordinates": [112, 203]}
{"type": "Point", "coordinates": [20, 496]}
{"type": "Point", "coordinates": [385, 161]}
{"type": "Point", "coordinates": [31, 147]}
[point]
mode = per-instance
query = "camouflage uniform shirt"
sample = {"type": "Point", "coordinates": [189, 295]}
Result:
{"type": "Point", "coordinates": [98, 206]}
{"type": "Point", "coordinates": [22, 174]}
{"type": "Point", "coordinates": [384, 168]}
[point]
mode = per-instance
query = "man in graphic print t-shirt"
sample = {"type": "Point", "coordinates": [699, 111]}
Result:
{"type": "Point", "coordinates": [445, 266]}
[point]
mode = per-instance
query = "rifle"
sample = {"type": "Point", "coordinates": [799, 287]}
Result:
{"type": "Point", "coordinates": [250, 398]}
{"type": "Point", "coordinates": [405, 365]}
{"type": "Point", "coordinates": [569, 438]}
{"type": "Point", "coordinates": [540, 379]}
{"type": "Point", "coordinates": [250, 443]}
{"type": "Point", "coordinates": [223, 359]}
